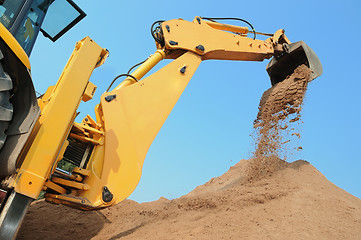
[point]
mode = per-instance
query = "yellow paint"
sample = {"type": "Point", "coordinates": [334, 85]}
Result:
{"type": "Point", "coordinates": [280, 34]}
{"type": "Point", "coordinates": [126, 126]}
{"type": "Point", "coordinates": [217, 44]}
{"type": "Point", "coordinates": [96, 161]}
{"type": "Point", "coordinates": [55, 187]}
{"type": "Point", "coordinates": [133, 119]}
{"type": "Point", "coordinates": [227, 27]}
{"type": "Point", "coordinates": [56, 118]}
{"type": "Point", "coordinates": [14, 46]}
{"type": "Point", "coordinates": [89, 92]}
{"type": "Point", "coordinates": [67, 200]}
{"type": "Point", "coordinates": [83, 127]}
{"type": "Point", "coordinates": [82, 204]}
{"type": "Point", "coordinates": [43, 100]}
{"type": "Point", "coordinates": [91, 122]}
{"type": "Point", "coordinates": [81, 171]}
{"type": "Point", "coordinates": [144, 68]}
{"type": "Point", "coordinates": [68, 183]}
{"type": "Point", "coordinates": [86, 139]}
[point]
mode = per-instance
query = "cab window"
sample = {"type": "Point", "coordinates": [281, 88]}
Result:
{"type": "Point", "coordinates": [9, 9]}
{"type": "Point", "coordinates": [28, 30]}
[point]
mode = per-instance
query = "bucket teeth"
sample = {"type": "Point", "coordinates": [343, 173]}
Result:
{"type": "Point", "coordinates": [295, 54]}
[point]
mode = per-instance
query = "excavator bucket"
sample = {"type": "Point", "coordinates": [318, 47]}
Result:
{"type": "Point", "coordinates": [295, 54]}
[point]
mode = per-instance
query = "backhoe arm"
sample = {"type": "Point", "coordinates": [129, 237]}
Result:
{"type": "Point", "coordinates": [129, 117]}
{"type": "Point", "coordinates": [210, 41]}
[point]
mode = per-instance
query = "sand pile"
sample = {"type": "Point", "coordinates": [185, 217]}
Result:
{"type": "Point", "coordinates": [262, 198]}
{"type": "Point", "coordinates": [297, 202]}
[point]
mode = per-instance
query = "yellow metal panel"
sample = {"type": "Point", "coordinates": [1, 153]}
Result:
{"type": "Point", "coordinates": [29, 184]}
{"type": "Point", "coordinates": [14, 46]}
{"type": "Point", "coordinates": [86, 139]}
{"type": "Point", "coordinates": [96, 161]}
{"type": "Point", "coordinates": [70, 183]}
{"type": "Point", "coordinates": [227, 27]}
{"type": "Point", "coordinates": [78, 203]}
{"type": "Point", "coordinates": [215, 44]}
{"type": "Point", "coordinates": [89, 92]}
{"type": "Point", "coordinates": [133, 119]}
{"type": "Point", "coordinates": [57, 117]}
{"type": "Point", "coordinates": [55, 187]}
{"type": "Point", "coordinates": [81, 171]}
{"type": "Point", "coordinates": [94, 194]}
{"type": "Point", "coordinates": [144, 68]}
{"type": "Point", "coordinates": [83, 127]}
{"type": "Point", "coordinates": [91, 122]}
{"type": "Point", "coordinates": [44, 99]}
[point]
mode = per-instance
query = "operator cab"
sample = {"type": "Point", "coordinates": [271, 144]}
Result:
{"type": "Point", "coordinates": [25, 18]}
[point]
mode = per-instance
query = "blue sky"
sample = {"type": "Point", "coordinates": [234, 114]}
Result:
{"type": "Point", "coordinates": [208, 130]}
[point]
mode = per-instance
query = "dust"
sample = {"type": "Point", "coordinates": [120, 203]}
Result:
{"type": "Point", "coordinates": [277, 126]}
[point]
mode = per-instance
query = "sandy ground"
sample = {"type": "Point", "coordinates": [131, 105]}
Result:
{"type": "Point", "coordinates": [297, 202]}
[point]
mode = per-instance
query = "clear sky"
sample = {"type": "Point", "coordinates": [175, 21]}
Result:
{"type": "Point", "coordinates": [208, 130]}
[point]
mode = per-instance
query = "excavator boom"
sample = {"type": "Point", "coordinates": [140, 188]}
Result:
{"type": "Point", "coordinates": [107, 153]}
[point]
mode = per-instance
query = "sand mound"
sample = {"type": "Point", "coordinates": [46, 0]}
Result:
{"type": "Point", "coordinates": [297, 202]}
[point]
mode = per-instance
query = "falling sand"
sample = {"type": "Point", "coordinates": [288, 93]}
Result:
{"type": "Point", "coordinates": [277, 122]}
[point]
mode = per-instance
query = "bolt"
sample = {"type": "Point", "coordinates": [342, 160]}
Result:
{"type": "Point", "coordinates": [198, 20]}
{"type": "Point", "coordinates": [107, 195]}
{"type": "Point", "coordinates": [183, 69]}
{"type": "Point", "coordinates": [109, 98]}
{"type": "Point", "coordinates": [167, 27]}
{"type": "Point", "coordinates": [200, 48]}
{"type": "Point", "coordinates": [173, 43]}
{"type": "Point", "coordinates": [286, 48]}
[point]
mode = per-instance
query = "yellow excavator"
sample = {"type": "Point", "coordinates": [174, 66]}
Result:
{"type": "Point", "coordinates": [106, 154]}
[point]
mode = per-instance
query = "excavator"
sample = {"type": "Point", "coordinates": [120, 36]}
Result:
{"type": "Point", "coordinates": [105, 152]}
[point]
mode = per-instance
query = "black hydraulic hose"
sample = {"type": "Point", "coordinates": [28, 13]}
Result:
{"type": "Point", "coordinates": [238, 19]}
{"type": "Point", "coordinates": [153, 32]}
{"type": "Point", "coordinates": [121, 75]}
{"type": "Point", "coordinates": [136, 65]}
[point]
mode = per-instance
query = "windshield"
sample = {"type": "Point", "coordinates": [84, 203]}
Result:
{"type": "Point", "coordinates": [8, 11]}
